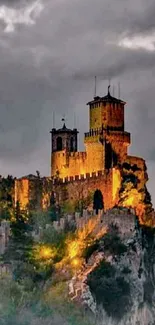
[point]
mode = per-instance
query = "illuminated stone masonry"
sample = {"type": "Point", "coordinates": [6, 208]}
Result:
{"type": "Point", "coordinates": [104, 165]}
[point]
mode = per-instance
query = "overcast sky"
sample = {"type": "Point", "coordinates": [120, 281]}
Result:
{"type": "Point", "coordinates": [50, 52]}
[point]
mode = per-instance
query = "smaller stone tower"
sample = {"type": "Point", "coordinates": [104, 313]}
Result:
{"type": "Point", "coordinates": [64, 141]}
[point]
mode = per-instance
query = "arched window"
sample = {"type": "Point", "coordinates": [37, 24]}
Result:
{"type": "Point", "coordinates": [71, 144]}
{"type": "Point", "coordinates": [59, 144]}
{"type": "Point", "coordinates": [98, 201]}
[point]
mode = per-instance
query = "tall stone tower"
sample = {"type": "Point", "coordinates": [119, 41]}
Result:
{"type": "Point", "coordinates": [64, 141]}
{"type": "Point", "coordinates": [106, 142]}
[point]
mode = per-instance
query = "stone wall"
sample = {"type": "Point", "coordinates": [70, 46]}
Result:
{"type": "Point", "coordinates": [123, 218]}
{"type": "Point", "coordinates": [82, 185]}
{"type": "Point", "coordinates": [4, 235]}
{"type": "Point", "coordinates": [75, 163]}
{"type": "Point", "coordinates": [22, 192]}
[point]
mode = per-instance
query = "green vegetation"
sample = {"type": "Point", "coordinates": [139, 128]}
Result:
{"type": "Point", "coordinates": [111, 291]}
{"type": "Point", "coordinates": [39, 260]}
{"type": "Point", "coordinates": [6, 201]}
{"type": "Point", "coordinates": [49, 306]}
{"type": "Point", "coordinates": [34, 292]}
{"type": "Point", "coordinates": [83, 203]}
{"type": "Point", "coordinates": [112, 243]}
{"type": "Point", "coordinates": [89, 250]}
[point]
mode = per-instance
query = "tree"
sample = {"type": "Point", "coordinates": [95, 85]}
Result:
{"type": "Point", "coordinates": [20, 244]}
{"type": "Point", "coordinates": [6, 197]}
{"type": "Point", "coordinates": [98, 201]}
{"type": "Point", "coordinates": [110, 290]}
{"type": "Point", "coordinates": [112, 242]}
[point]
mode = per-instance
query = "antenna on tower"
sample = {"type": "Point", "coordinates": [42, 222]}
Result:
{"type": "Point", "coordinates": [95, 88]}
{"type": "Point", "coordinates": [109, 81]}
{"type": "Point", "coordinates": [113, 90]}
{"type": "Point", "coordinates": [119, 90]}
{"type": "Point", "coordinates": [53, 119]}
{"type": "Point", "coordinates": [74, 121]}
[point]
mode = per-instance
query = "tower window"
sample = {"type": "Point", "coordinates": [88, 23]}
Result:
{"type": "Point", "coordinates": [59, 144]}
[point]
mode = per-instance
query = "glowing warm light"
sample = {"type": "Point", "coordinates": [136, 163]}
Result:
{"type": "Point", "coordinates": [76, 262]}
{"type": "Point", "coordinates": [133, 199]}
{"type": "Point", "coordinates": [92, 229]}
{"type": "Point", "coordinates": [85, 236]}
{"type": "Point", "coordinates": [45, 200]}
{"type": "Point", "coordinates": [116, 183]}
{"type": "Point", "coordinates": [44, 253]}
{"type": "Point", "coordinates": [74, 248]}
{"type": "Point", "coordinates": [83, 171]}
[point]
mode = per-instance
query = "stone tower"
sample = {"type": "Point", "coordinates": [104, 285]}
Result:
{"type": "Point", "coordinates": [64, 141]}
{"type": "Point", "coordinates": [107, 141]}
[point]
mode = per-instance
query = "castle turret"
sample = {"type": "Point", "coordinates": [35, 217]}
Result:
{"type": "Point", "coordinates": [106, 112]}
{"type": "Point", "coordinates": [106, 123]}
{"type": "Point", "coordinates": [64, 141]}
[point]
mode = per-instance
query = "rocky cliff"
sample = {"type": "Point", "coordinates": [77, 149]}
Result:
{"type": "Point", "coordinates": [117, 282]}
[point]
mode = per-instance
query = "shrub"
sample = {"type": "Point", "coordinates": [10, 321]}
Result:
{"type": "Point", "coordinates": [112, 242]}
{"type": "Point", "coordinates": [111, 291]}
{"type": "Point", "coordinates": [89, 250]}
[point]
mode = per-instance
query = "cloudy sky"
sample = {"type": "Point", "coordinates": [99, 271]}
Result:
{"type": "Point", "coordinates": [50, 51]}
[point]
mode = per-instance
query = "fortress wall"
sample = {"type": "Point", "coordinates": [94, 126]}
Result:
{"type": "Point", "coordinates": [142, 173]}
{"type": "Point", "coordinates": [68, 164]}
{"type": "Point", "coordinates": [133, 160]}
{"type": "Point", "coordinates": [116, 185]}
{"type": "Point", "coordinates": [68, 189]}
{"type": "Point", "coordinates": [123, 218]}
{"type": "Point", "coordinates": [95, 154]}
{"type": "Point", "coordinates": [77, 163]}
{"type": "Point", "coordinates": [58, 161]}
{"type": "Point", "coordinates": [119, 142]}
{"type": "Point", "coordinates": [80, 188]}
{"type": "Point", "coordinates": [22, 192]}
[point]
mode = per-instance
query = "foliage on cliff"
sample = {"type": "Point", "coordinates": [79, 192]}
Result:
{"type": "Point", "coordinates": [6, 196]}
{"type": "Point", "coordinates": [110, 290]}
{"type": "Point", "coordinates": [133, 192]}
{"type": "Point", "coordinates": [51, 306]}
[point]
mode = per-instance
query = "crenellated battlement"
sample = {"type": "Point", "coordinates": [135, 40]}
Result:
{"type": "Point", "coordinates": [118, 131]}
{"type": "Point", "coordinates": [81, 177]}
{"type": "Point", "coordinates": [78, 155]}
{"type": "Point", "coordinates": [76, 178]}
{"type": "Point", "coordinates": [93, 133]}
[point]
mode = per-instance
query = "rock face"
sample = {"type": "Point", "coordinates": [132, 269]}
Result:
{"type": "Point", "coordinates": [136, 266]}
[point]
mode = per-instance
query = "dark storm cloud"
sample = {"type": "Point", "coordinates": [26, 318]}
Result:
{"type": "Point", "coordinates": [51, 66]}
{"type": "Point", "coordinates": [12, 3]}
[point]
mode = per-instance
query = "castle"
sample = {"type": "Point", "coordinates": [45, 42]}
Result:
{"type": "Point", "coordinates": [102, 166]}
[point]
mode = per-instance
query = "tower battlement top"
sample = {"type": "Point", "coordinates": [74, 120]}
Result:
{"type": "Point", "coordinates": [108, 98]}
{"type": "Point", "coordinates": [64, 129]}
